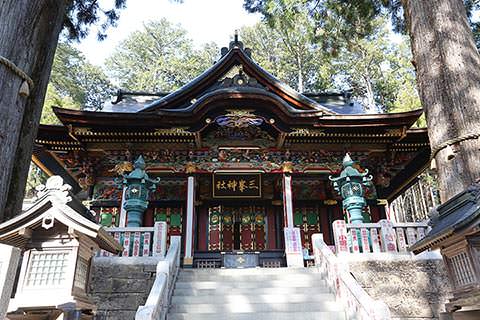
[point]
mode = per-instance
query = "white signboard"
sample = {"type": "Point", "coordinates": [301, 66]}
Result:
{"type": "Point", "coordinates": [146, 244]}
{"type": "Point", "coordinates": [389, 242]}
{"type": "Point", "coordinates": [354, 237]}
{"type": "Point", "coordinates": [402, 243]}
{"type": "Point", "coordinates": [126, 244]}
{"type": "Point", "coordinates": [411, 236]}
{"type": "Point", "coordinates": [293, 247]}
{"type": "Point", "coordinates": [365, 243]}
{"type": "Point", "coordinates": [375, 240]}
{"type": "Point", "coordinates": [340, 236]}
{"type": "Point", "coordinates": [136, 244]}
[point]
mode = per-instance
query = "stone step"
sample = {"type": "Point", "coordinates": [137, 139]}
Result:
{"type": "Point", "coordinates": [243, 306]}
{"type": "Point", "coordinates": [235, 272]}
{"type": "Point", "coordinates": [249, 277]}
{"type": "Point", "coordinates": [248, 291]}
{"type": "Point", "coordinates": [285, 283]}
{"type": "Point", "coordinates": [260, 315]}
{"type": "Point", "coordinates": [254, 298]}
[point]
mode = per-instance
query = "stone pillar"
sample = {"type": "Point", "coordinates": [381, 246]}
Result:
{"type": "Point", "coordinates": [9, 257]}
{"type": "Point", "coordinates": [188, 258]}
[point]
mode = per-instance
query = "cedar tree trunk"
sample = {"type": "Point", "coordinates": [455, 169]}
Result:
{"type": "Point", "coordinates": [448, 78]}
{"type": "Point", "coordinates": [29, 31]}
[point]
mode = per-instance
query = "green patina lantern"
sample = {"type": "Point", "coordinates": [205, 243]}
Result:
{"type": "Point", "coordinates": [351, 186]}
{"type": "Point", "coordinates": [138, 186]}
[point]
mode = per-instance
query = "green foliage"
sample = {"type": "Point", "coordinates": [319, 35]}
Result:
{"type": "Point", "coordinates": [377, 70]}
{"type": "Point", "coordinates": [332, 21]}
{"type": "Point", "coordinates": [73, 76]}
{"type": "Point", "coordinates": [290, 56]}
{"type": "Point", "coordinates": [158, 58]}
{"type": "Point", "coordinates": [74, 83]}
{"type": "Point", "coordinates": [53, 98]}
{"type": "Point", "coordinates": [82, 14]}
{"type": "Point", "coordinates": [35, 177]}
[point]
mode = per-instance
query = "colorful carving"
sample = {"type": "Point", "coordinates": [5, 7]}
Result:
{"type": "Point", "coordinates": [307, 219]}
{"type": "Point", "coordinates": [122, 168]}
{"type": "Point", "coordinates": [214, 240]}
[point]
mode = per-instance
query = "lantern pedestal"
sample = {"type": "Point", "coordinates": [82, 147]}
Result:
{"type": "Point", "coordinates": [135, 209]}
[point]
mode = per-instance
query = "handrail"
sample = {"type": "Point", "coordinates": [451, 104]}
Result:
{"type": "Point", "coordinates": [156, 306]}
{"type": "Point", "coordinates": [359, 305]}
{"type": "Point", "coordinates": [140, 241]}
{"type": "Point", "coordinates": [383, 236]}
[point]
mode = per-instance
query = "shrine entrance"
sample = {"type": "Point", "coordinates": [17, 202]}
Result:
{"type": "Point", "coordinates": [237, 228]}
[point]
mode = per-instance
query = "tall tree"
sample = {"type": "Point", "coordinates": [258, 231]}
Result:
{"type": "Point", "coordinates": [448, 64]}
{"type": "Point", "coordinates": [74, 83]}
{"type": "Point", "coordinates": [157, 58]}
{"type": "Point", "coordinates": [73, 76]}
{"type": "Point", "coordinates": [290, 55]}
{"type": "Point", "coordinates": [378, 71]}
{"type": "Point", "coordinates": [29, 32]}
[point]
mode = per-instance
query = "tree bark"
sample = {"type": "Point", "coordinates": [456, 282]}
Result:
{"type": "Point", "coordinates": [29, 32]}
{"type": "Point", "coordinates": [448, 78]}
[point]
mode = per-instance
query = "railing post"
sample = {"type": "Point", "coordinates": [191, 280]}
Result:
{"type": "Point", "coordinates": [159, 238]}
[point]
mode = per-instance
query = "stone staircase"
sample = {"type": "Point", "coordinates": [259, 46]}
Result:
{"type": "Point", "coordinates": [241, 294]}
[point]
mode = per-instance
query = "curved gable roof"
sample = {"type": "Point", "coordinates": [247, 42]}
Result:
{"type": "Point", "coordinates": [182, 98]}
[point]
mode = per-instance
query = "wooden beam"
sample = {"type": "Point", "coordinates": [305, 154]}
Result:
{"type": "Point", "coordinates": [281, 140]}
{"type": "Point", "coordinates": [25, 233]}
{"type": "Point", "coordinates": [42, 167]}
{"type": "Point", "coordinates": [198, 140]}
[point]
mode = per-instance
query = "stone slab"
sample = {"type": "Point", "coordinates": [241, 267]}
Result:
{"type": "Point", "coordinates": [9, 258]}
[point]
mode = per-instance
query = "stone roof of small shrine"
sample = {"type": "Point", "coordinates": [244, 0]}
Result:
{"type": "Point", "coordinates": [55, 204]}
{"type": "Point", "coordinates": [460, 213]}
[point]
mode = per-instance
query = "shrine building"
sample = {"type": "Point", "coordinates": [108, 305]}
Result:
{"type": "Point", "coordinates": [239, 156]}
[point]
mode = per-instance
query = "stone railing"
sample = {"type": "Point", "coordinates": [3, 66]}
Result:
{"type": "Point", "coordinates": [383, 236]}
{"type": "Point", "coordinates": [140, 241]}
{"type": "Point", "coordinates": [359, 305]}
{"type": "Point", "coordinates": [156, 306]}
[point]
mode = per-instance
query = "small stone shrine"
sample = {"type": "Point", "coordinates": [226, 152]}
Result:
{"type": "Point", "coordinates": [58, 236]}
{"type": "Point", "coordinates": [456, 232]}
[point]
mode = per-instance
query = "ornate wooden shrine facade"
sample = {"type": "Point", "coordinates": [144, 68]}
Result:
{"type": "Point", "coordinates": [240, 156]}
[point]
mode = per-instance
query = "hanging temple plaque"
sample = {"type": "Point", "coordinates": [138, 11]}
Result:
{"type": "Point", "coordinates": [245, 185]}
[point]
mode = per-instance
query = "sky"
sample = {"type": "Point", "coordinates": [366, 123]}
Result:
{"type": "Point", "coordinates": [204, 20]}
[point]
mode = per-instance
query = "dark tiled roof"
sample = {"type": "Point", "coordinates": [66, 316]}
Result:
{"type": "Point", "coordinates": [337, 102]}
{"type": "Point", "coordinates": [458, 213]}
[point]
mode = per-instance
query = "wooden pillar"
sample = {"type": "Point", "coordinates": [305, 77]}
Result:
{"type": "Point", "coordinates": [188, 258]}
{"type": "Point", "coordinates": [293, 241]}
{"type": "Point", "coordinates": [123, 212]}
{"type": "Point", "coordinates": [287, 201]}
